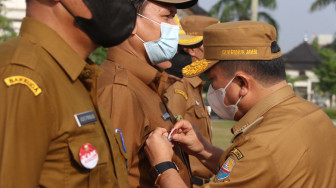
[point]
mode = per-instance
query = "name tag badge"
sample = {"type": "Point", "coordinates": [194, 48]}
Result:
{"type": "Point", "coordinates": [85, 118]}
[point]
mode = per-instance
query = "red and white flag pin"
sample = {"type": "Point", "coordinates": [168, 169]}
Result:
{"type": "Point", "coordinates": [88, 156]}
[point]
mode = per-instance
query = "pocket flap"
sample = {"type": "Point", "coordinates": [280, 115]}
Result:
{"type": "Point", "coordinates": [97, 143]}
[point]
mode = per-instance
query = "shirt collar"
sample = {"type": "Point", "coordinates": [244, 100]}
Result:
{"type": "Point", "coordinates": [255, 114]}
{"type": "Point", "coordinates": [141, 69]}
{"type": "Point", "coordinates": [195, 81]}
{"type": "Point", "coordinates": [65, 56]}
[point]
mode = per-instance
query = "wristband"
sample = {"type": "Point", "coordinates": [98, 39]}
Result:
{"type": "Point", "coordinates": [162, 167]}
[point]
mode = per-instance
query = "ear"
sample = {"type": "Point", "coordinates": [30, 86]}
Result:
{"type": "Point", "coordinates": [190, 51]}
{"type": "Point", "coordinates": [244, 82]}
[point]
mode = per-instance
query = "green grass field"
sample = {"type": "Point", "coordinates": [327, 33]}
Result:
{"type": "Point", "coordinates": [221, 133]}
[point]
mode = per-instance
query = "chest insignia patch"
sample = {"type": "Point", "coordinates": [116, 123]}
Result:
{"type": "Point", "coordinates": [236, 152]}
{"type": "Point", "coordinates": [226, 169]}
{"type": "Point", "coordinates": [85, 118]}
{"type": "Point", "coordinates": [165, 116]}
{"type": "Point", "coordinates": [13, 80]}
{"type": "Point", "coordinates": [181, 93]}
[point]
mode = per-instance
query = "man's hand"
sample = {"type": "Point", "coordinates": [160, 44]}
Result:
{"type": "Point", "coordinates": [158, 148]}
{"type": "Point", "coordinates": [192, 142]}
{"type": "Point", "coordinates": [188, 137]}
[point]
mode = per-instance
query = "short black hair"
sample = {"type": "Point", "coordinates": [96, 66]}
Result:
{"type": "Point", "coordinates": [139, 5]}
{"type": "Point", "coordinates": [267, 72]}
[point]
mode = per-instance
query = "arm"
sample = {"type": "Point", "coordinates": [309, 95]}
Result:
{"type": "Point", "coordinates": [177, 99]}
{"type": "Point", "coordinates": [125, 114]}
{"type": "Point", "coordinates": [26, 124]}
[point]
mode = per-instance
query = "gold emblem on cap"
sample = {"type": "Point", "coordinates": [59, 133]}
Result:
{"type": "Point", "coordinates": [195, 67]}
{"type": "Point", "coordinates": [192, 40]}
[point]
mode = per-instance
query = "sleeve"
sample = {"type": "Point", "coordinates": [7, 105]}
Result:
{"type": "Point", "coordinates": [127, 116]}
{"type": "Point", "coordinates": [248, 165]}
{"type": "Point", "coordinates": [24, 132]}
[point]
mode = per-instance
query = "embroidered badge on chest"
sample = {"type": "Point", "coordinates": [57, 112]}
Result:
{"type": "Point", "coordinates": [85, 118]}
{"type": "Point", "coordinates": [226, 169]}
{"type": "Point", "coordinates": [181, 93]}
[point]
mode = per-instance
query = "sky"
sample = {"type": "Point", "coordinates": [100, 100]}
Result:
{"type": "Point", "coordinates": [296, 21]}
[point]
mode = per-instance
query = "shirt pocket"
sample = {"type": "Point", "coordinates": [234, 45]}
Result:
{"type": "Point", "coordinates": [200, 112]}
{"type": "Point", "coordinates": [95, 177]}
{"type": "Point", "coordinates": [121, 144]}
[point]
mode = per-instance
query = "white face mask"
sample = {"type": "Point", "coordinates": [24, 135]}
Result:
{"type": "Point", "coordinates": [216, 101]}
{"type": "Point", "coordinates": [165, 48]}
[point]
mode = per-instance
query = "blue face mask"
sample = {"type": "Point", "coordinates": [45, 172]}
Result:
{"type": "Point", "coordinates": [165, 48]}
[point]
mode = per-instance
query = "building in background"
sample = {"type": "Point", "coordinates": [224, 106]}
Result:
{"type": "Point", "coordinates": [300, 62]}
{"type": "Point", "coordinates": [323, 39]}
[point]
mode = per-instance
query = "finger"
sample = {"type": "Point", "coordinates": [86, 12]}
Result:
{"type": "Point", "coordinates": [150, 134]}
{"type": "Point", "coordinates": [179, 137]}
{"type": "Point", "coordinates": [159, 131]}
{"type": "Point", "coordinates": [183, 124]}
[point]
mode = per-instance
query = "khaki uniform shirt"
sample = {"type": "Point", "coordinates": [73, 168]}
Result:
{"type": "Point", "coordinates": [40, 139]}
{"type": "Point", "coordinates": [128, 90]}
{"type": "Point", "coordinates": [185, 99]}
{"type": "Point", "coordinates": [283, 141]}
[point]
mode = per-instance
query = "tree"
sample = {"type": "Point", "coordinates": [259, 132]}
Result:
{"type": "Point", "coordinates": [327, 71]}
{"type": "Point", "coordinates": [99, 55]}
{"type": "Point", "coordinates": [291, 80]}
{"type": "Point", "coordinates": [233, 10]}
{"type": "Point", "coordinates": [6, 29]}
{"type": "Point", "coordinates": [320, 4]}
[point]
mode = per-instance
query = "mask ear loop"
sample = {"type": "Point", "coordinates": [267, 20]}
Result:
{"type": "Point", "coordinates": [238, 100]}
{"type": "Point", "coordinates": [140, 38]}
{"type": "Point", "coordinates": [148, 18]}
{"type": "Point", "coordinates": [66, 8]}
{"type": "Point", "coordinates": [229, 83]}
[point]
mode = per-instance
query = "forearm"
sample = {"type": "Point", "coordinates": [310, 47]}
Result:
{"type": "Point", "coordinates": [210, 156]}
{"type": "Point", "coordinates": [171, 178]}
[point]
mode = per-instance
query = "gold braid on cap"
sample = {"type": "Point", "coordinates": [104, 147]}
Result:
{"type": "Point", "coordinates": [191, 41]}
{"type": "Point", "coordinates": [195, 67]}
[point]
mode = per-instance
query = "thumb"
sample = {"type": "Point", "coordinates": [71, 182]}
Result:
{"type": "Point", "coordinates": [179, 137]}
